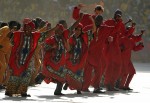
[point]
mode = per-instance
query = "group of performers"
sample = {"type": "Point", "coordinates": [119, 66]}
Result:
{"type": "Point", "coordinates": [91, 52]}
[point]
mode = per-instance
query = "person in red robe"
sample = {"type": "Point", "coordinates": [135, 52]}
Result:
{"type": "Point", "coordinates": [24, 44]}
{"type": "Point", "coordinates": [95, 55]}
{"type": "Point", "coordinates": [54, 66]}
{"type": "Point", "coordinates": [127, 44]}
{"type": "Point", "coordinates": [75, 58]}
{"type": "Point", "coordinates": [113, 53]}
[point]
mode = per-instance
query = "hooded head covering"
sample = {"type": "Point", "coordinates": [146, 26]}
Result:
{"type": "Point", "coordinates": [118, 12]}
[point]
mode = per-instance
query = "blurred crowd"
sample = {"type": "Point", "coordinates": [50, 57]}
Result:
{"type": "Point", "coordinates": [54, 10]}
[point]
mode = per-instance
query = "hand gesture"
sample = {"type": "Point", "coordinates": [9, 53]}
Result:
{"type": "Point", "coordinates": [110, 39]}
{"type": "Point", "coordinates": [141, 43]}
{"type": "Point", "coordinates": [142, 31]}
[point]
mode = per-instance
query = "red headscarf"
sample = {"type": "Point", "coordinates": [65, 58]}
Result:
{"type": "Point", "coordinates": [31, 24]}
{"type": "Point", "coordinates": [26, 20]}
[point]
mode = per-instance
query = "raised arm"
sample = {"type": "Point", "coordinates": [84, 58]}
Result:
{"type": "Point", "coordinates": [76, 11]}
{"type": "Point", "coordinates": [48, 32]}
{"type": "Point", "coordinates": [77, 22]}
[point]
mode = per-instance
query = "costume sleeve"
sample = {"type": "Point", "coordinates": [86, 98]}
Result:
{"type": "Point", "coordinates": [76, 13]}
{"type": "Point", "coordinates": [85, 20]}
{"type": "Point", "coordinates": [136, 38]}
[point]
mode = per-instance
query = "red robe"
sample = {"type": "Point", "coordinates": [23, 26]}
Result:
{"type": "Point", "coordinates": [122, 30]}
{"type": "Point", "coordinates": [95, 58]}
{"type": "Point", "coordinates": [113, 54]}
{"type": "Point", "coordinates": [16, 52]}
{"type": "Point", "coordinates": [127, 45]}
{"type": "Point", "coordinates": [54, 59]}
{"type": "Point", "coordinates": [75, 61]}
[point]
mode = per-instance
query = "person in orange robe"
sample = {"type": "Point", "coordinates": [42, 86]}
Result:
{"type": "Point", "coordinates": [5, 50]}
{"type": "Point", "coordinates": [20, 61]}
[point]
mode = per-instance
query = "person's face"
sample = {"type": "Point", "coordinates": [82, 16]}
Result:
{"type": "Point", "coordinates": [27, 29]}
{"type": "Point", "coordinates": [118, 18]}
{"type": "Point", "coordinates": [78, 31]}
{"type": "Point", "coordinates": [65, 25]}
{"type": "Point", "coordinates": [98, 12]}
{"type": "Point", "coordinates": [59, 31]}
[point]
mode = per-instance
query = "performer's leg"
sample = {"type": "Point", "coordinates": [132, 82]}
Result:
{"type": "Point", "coordinates": [130, 76]}
{"type": "Point", "coordinates": [66, 86]}
{"type": "Point", "coordinates": [37, 64]}
{"type": "Point", "coordinates": [39, 78]}
{"type": "Point", "coordinates": [58, 88]}
{"type": "Point", "coordinates": [24, 83]}
{"type": "Point", "coordinates": [12, 86]}
{"type": "Point", "coordinates": [3, 67]}
{"type": "Point", "coordinates": [123, 81]}
{"type": "Point", "coordinates": [87, 76]}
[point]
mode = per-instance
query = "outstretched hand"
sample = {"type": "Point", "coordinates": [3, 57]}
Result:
{"type": "Point", "coordinates": [141, 43]}
{"type": "Point", "coordinates": [142, 31]}
{"type": "Point", "coordinates": [133, 24]}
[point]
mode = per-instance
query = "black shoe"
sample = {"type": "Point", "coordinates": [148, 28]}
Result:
{"type": "Point", "coordinates": [65, 86]}
{"type": "Point", "coordinates": [59, 94]}
{"type": "Point", "coordinates": [115, 89]}
{"type": "Point", "coordinates": [8, 94]}
{"type": "Point", "coordinates": [129, 89]}
{"type": "Point", "coordinates": [126, 88]}
{"type": "Point", "coordinates": [98, 91]}
{"type": "Point", "coordinates": [25, 95]}
{"type": "Point", "coordinates": [79, 92]}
